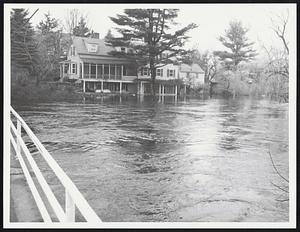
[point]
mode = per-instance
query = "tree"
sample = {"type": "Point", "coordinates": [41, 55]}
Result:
{"type": "Point", "coordinates": [279, 27]}
{"type": "Point", "coordinates": [23, 45]}
{"type": "Point", "coordinates": [82, 29]}
{"type": "Point", "coordinates": [146, 32]}
{"type": "Point", "coordinates": [207, 61]}
{"type": "Point", "coordinates": [240, 49]}
{"type": "Point", "coordinates": [108, 36]}
{"type": "Point", "coordinates": [277, 68]}
{"type": "Point", "coordinates": [49, 37]}
{"type": "Point", "coordinates": [71, 20]}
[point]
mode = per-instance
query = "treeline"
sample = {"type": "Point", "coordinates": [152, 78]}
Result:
{"type": "Point", "coordinates": [234, 71]}
{"type": "Point", "coordinates": [36, 52]}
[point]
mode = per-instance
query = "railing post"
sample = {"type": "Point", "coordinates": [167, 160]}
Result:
{"type": "Point", "coordinates": [70, 208]}
{"type": "Point", "coordinates": [19, 130]}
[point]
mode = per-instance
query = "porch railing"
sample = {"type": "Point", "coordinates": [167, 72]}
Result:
{"type": "Point", "coordinates": [103, 76]}
{"type": "Point", "coordinates": [73, 198]}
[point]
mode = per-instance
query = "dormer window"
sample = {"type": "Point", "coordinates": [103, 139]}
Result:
{"type": "Point", "coordinates": [123, 49]}
{"type": "Point", "coordinates": [92, 47]}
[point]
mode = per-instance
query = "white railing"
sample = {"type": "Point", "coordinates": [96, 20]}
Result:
{"type": "Point", "coordinates": [73, 198]}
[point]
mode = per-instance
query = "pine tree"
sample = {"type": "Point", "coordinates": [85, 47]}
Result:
{"type": "Point", "coordinates": [237, 43]}
{"type": "Point", "coordinates": [49, 36]}
{"type": "Point", "coordinates": [108, 36]}
{"type": "Point", "coordinates": [23, 45]}
{"type": "Point", "coordinates": [82, 29]}
{"type": "Point", "coordinates": [146, 32]}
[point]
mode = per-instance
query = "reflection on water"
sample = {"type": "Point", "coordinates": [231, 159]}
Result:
{"type": "Point", "coordinates": [170, 160]}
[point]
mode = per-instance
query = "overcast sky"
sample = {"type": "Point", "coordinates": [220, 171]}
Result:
{"type": "Point", "coordinates": [212, 19]}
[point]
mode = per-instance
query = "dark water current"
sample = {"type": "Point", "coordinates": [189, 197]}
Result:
{"type": "Point", "coordinates": [184, 160]}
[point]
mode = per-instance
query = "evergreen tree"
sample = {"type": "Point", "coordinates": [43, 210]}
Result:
{"type": "Point", "coordinates": [108, 36]}
{"type": "Point", "coordinates": [82, 29]}
{"type": "Point", "coordinates": [49, 36]}
{"type": "Point", "coordinates": [240, 49]}
{"type": "Point", "coordinates": [48, 25]}
{"type": "Point", "coordinates": [23, 45]}
{"type": "Point", "coordinates": [146, 32]}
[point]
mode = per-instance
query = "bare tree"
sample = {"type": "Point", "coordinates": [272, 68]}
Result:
{"type": "Point", "coordinates": [277, 68]}
{"type": "Point", "coordinates": [71, 20]}
{"type": "Point", "coordinates": [279, 24]}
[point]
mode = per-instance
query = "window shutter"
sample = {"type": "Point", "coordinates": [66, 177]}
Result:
{"type": "Point", "coordinates": [162, 72]}
{"type": "Point", "coordinates": [168, 73]}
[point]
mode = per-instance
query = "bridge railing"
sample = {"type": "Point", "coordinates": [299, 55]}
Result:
{"type": "Point", "coordinates": [73, 198]}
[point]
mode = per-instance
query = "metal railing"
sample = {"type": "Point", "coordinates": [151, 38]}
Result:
{"type": "Point", "coordinates": [73, 198]}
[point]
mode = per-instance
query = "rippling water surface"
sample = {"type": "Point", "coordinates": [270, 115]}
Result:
{"type": "Point", "coordinates": [189, 160]}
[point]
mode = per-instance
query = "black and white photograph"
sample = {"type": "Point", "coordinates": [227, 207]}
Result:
{"type": "Point", "coordinates": [149, 115]}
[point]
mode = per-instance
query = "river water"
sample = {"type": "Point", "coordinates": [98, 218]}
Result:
{"type": "Point", "coordinates": [185, 160]}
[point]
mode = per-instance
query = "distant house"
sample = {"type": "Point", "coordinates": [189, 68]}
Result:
{"type": "Point", "coordinates": [88, 61]}
{"type": "Point", "coordinates": [192, 75]}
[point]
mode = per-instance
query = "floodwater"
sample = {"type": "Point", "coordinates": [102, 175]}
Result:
{"type": "Point", "coordinates": [186, 160]}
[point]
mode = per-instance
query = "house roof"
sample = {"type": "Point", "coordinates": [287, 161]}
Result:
{"type": "Point", "coordinates": [81, 46]}
{"type": "Point", "coordinates": [190, 68]}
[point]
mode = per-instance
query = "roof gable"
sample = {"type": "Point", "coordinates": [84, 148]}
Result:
{"type": "Point", "coordinates": [191, 68]}
{"type": "Point", "coordinates": [82, 43]}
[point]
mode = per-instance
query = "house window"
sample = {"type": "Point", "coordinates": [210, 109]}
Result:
{"type": "Point", "coordinates": [145, 72]}
{"type": "Point", "coordinates": [123, 49]}
{"type": "Point", "coordinates": [72, 50]}
{"type": "Point", "coordinates": [171, 72]}
{"type": "Point", "coordinates": [74, 68]}
{"type": "Point", "coordinates": [159, 72]}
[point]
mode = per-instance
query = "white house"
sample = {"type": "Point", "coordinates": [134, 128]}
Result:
{"type": "Point", "coordinates": [89, 61]}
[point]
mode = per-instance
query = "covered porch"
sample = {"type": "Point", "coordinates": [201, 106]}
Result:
{"type": "Point", "coordinates": [114, 86]}
{"type": "Point", "coordinates": [162, 88]}
{"type": "Point", "coordinates": [105, 69]}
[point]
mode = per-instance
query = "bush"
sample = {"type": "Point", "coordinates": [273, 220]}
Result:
{"type": "Point", "coordinates": [42, 92]}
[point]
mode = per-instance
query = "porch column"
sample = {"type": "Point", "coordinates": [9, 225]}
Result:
{"type": "Point", "coordinates": [141, 88]}
{"type": "Point", "coordinates": [163, 90]}
{"type": "Point", "coordinates": [60, 70]}
{"type": "Point", "coordinates": [121, 71]}
{"type": "Point", "coordinates": [89, 71]}
{"type": "Point", "coordinates": [115, 72]}
{"type": "Point", "coordinates": [102, 71]}
{"type": "Point", "coordinates": [63, 74]}
{"type": "Point", "coordinates": [82, 70]}
{"type": "Point", "coordinates": [84, 86]}
{"type": "Point", "coordinates": [184, 89]}
{"type": "Point", "coordinates": [120, 86]}
{"type": "Point", "coordinates": [96, 71]}
{"type": "Point", "coordinates": [108, 71]}
{"type": "Point", "coordinates": [159, 89]}
{"type": "Point", "coordinates": [95, 86]}
{"type": "Point", "coordinates": [102, 85]}
{"type": "Point", "coordinates": [176, 90]}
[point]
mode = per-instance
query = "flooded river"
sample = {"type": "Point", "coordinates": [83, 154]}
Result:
{"type": "Point", "coordinates": [184, 160]}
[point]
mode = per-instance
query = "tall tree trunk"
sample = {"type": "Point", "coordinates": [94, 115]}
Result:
{"type": "Point", "coordinates": [153, 75]}
{"type": "Point", "coordinates": [210, 89]}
